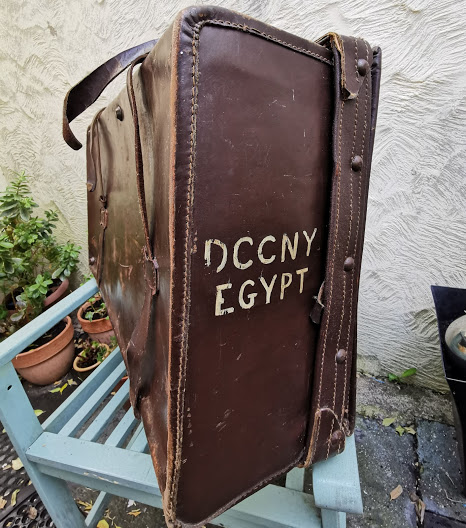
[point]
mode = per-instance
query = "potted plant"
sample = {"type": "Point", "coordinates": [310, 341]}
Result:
{"type": "Point", "coordinates": [92, 354]}
{"type": "Point", "coordinates": [34, 272]}
{"type": "Point", "coordinates": [94, 320]}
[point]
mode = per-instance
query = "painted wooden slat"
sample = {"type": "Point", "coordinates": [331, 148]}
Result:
{"type": "Point", "coordinates": [118, 439]}
{"type": "Point", "coordinates": [100, 461]}
{"type": "Point", "coordinates": [139, 443]}
{"type": "Point", "coordinates": [16, 343]}
{"type": "Point", "coordinates": [95, 399]}
{"type": "Point", "coordinates": [130, 474]}
{"type": "Point", "coordinates": [336, 481]}
{"type": "Point", "coordinates": [98, 426]}
{"type": "Point", "coordinates": [295, 479]}
{"type": "Point", "coordinates": [23, 428]}
{"type": "Point", "coordinates": [79, 397]}
{"type": "Point", "coordinates": [122, 430]}
{"type": "Point", "coordinates": [333, 519]}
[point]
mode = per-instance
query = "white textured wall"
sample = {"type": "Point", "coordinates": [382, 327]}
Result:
{"type": "Point", "coordinates": [416, 221]}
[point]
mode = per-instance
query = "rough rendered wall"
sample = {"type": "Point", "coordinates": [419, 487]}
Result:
{"type": "Point", "coordinates": [416, 221]}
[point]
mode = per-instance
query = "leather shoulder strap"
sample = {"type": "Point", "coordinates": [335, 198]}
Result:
{"type": "Point", "coordinates": [89, 89]}
{"type": "Point", "coordinates": [334, 372]}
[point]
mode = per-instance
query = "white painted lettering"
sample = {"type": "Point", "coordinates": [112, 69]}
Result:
{"type": "Point", "coordinates": [309, 240]}
{"type": "Point", "coordinates": [251, 296]}
{"type": "Point", "coordinates": [208, 249]}
{"type": "Point", "coordinates": [236, 261]}
{"type": "Point", "coordinates": [260, 254]}
{"type": "Point", "coordinates": [301, 273]}
{"type": "Point", "coordinates": [219, 300]}
{"type": "Point", "coordinates": [268, 287]}
{"type": "Point", "coordinates": [293, 249]}
{"type": "Point", "coordinates": [286, 281]}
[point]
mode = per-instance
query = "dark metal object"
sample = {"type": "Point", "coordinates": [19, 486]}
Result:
{"type": "Point", "coordinates": [363, 67]}
{"type": "Point", "coordinates": [450, 304]}
{"type": "Point", "coordinates": [341, 356]}
{"type": "Point", "coordinates": [348, 264]}
{"type": "Point", "coordinates": [119, 113]}
{"type": "Point", "coordinates": [356, 163]}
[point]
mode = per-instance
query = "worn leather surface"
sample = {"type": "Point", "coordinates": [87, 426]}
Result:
{"type": "Point", "coordinates": [247, 137]}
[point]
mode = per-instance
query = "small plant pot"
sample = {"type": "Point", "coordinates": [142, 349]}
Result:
{"type": "Point", "coordinates": [100, 330]}
{"type": "Point", "coordinates": [49, 362]}
{"type": "Point", "coordinates": [90, 368]}
{"type": "Point", "coordinates": [58, 292]}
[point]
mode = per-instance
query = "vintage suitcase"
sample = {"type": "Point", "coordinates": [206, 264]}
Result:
{"type": "Point", "coordinates": [227, 200]}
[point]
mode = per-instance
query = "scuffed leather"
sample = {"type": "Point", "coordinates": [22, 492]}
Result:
{"type": "Point", "coordinates": [239, 127]}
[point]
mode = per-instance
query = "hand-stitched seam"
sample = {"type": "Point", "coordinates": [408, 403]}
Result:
{"type": "Point", "coordinates": [357, 227]}
{"type": "Point", "coordinates": [348, 239]}
{"type": "Point", "coordinates": [255, 31]}
{"type": "Point", "coordinates": [332, 263]}
{"type": "Point", "coordinates": [186, 278]}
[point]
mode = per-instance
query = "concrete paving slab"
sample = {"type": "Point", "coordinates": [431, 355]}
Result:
{"type": "Point", "coordinates": [377, 398]}
{"type": "Point", "coordinates": [440, 478]}
{"type": "Point", "coordinates": [385, 461]}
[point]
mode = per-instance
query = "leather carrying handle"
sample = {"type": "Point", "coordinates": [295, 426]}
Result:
{"type": "Point", "coordinates": [86, 92]}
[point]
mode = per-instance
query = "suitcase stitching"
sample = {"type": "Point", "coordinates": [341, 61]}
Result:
{"type": "Point", "coordinates": [348, 239]}
{"type": "Point", "coordinates": [357, 226]}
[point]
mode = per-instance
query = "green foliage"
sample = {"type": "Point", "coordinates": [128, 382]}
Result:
{"type": "Point", "coordinates": [97, 308]}
{"type": "Point", "coordinates": [96, 350]}
{"type": "Point", "coordinates": [406, 374]}
{"type": "Point", "coordinates": [30, 256]}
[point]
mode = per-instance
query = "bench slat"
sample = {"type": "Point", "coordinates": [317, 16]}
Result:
{"type": "Point", "coordinates": [122, 430]}
{"type": "Point", "coordinates": [95, 399]}
{"type": "Point", "coordinates": [99, 425]}
{"type": "Point", "coordinates": [79, 397]}
{"type": "Point", "coordinates": [99, 461]}
{"type": "Point", "coordinates": [139, 442]}
{"type": "Point", "coordinates": [129, 474]}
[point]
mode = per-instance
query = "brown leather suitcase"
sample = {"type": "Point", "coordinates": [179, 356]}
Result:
{"type": "Point", "coordinates": [227, 200]}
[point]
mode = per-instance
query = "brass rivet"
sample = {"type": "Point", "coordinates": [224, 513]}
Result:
{"type": "Point", "coordinates": [337, 437]}
{"type": "Point", "coordinates": [348, 265]}
{"type": "Point", "coordinates": [356, 163]}
{"type": "Point", "coordinates": [92, 261]}
{"type": "Point", "coordinates": [119, 113]}
{"type": "Point", "coordinates": [363, 67]}
{"type": "Point", "coordinates": [341, 356]}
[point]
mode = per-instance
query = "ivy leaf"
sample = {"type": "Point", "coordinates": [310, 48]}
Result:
{"type": "Point", "coordinates": [62, 388]}
{"type": "Point", "coordinates": [393, 377]}
{"type": "Point", "coordinates": [3, 502]}
{"type": "Point", "coordinates": [400, 430]}
{"type": "Point", "coordinates": [38, 412]}
{"type": "Point", "coordinates": [134, 513]}
{"type": "Point", "coordinates": [410, 430]}
{"type": "Point", "coordinates": [386, 422]}
{"type": "Point", "coordinates": [102, 524]}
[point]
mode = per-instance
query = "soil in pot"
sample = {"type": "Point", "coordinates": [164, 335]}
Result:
{"type": "Point", "coordinates": [94, 320]}
{"type": "Point", "coordinates": [50, 357]}
{"type": "Point", "coordinates": [91, 356]}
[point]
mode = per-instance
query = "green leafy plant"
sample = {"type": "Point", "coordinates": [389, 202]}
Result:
{"type": "Point", "coordinates": [31, 259]}
{"type": "Point", "coordinates": [93, 352]}
{"type": "Point", "coordinates": [406, 374]}
{"type": "Point", "coordinates": [96, 310]}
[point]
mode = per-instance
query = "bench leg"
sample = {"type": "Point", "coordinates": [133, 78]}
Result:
{"type": "Point", "coordinates": [23, 428]}
{"type": "Point", "coordinates": [333, 519]}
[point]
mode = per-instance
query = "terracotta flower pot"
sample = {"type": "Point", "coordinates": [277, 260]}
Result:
{"type": "Point", "coordinates": [57, 294]}
{"type": "Point", "coordinates": [100, 330]}
{"type": "Point", "coordinates": [83, 370]}
{"type": "Point", "coordinates": [49, 362]}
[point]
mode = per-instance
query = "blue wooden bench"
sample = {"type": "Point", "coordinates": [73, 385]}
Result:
{"type": "Point", "coordinates": [52, 452]}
